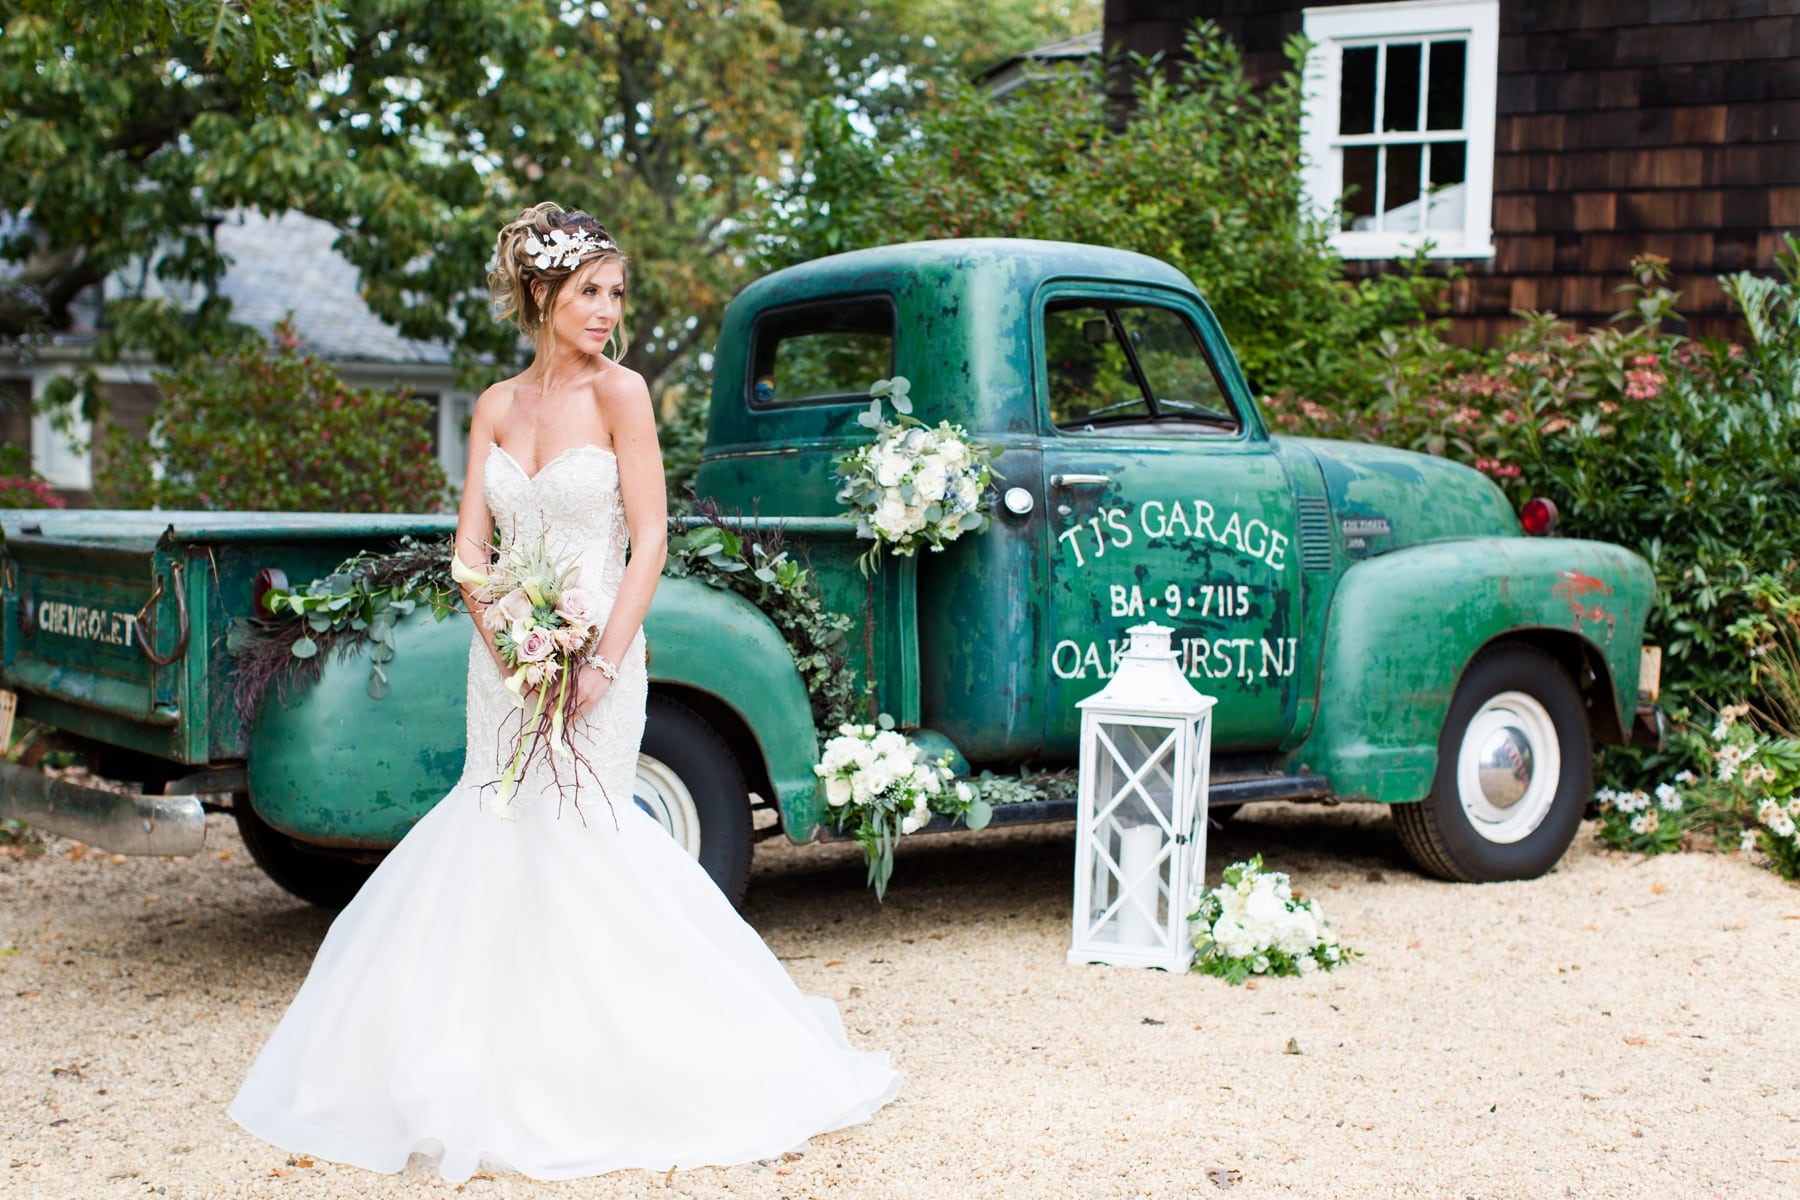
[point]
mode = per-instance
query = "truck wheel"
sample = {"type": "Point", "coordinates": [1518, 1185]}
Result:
{"type": "Point", "coordinates": [1514, 763]}
{"type": "Point", "coordinates": [689, 780]}
{"type": "Point", "coordinates": [316, 876]}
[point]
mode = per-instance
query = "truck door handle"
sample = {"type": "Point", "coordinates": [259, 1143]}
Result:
{"type": "Point", "coordinates": [145, 631]}
{"type": "Point", "coordinates": [1074, 480]}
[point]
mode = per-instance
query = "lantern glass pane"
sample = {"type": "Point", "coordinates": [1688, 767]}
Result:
{"type": "Point", "coordinates": [1134, 808]}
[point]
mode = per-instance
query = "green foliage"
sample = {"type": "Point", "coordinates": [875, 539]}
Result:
{"type": "Point", "coordinates": [749, 559]}
{"type": "Point", "coordinates": [358, 603]}
{"type": "Point", "coordinates": [417, 128]}
{"type": "Point", "coordinates": [1204, 175]}
{"type": "Point", "coordinates": [276, 430]}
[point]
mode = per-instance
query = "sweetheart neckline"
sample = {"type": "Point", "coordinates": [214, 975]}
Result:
{"type": "Point", "coordinates": [531, 477]}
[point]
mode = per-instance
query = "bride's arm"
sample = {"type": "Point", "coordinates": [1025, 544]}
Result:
{"type": "Point", "coordinates": [474, 523]}
{"type": "Point", "coordinates": [625, 407]}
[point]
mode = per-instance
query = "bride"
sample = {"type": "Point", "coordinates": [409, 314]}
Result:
{"type": "Point", "coordinates": [564, 992]}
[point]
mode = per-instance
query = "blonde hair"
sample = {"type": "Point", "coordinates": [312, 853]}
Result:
{"type": "Point", "coordinates": [516, 277]}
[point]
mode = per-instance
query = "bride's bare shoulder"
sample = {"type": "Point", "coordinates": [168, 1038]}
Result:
{"type": "Point", "coordinates": [620, 389]}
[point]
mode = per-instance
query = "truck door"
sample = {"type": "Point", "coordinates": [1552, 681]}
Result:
{"type": "Point", "coordinates": [1164, 502]}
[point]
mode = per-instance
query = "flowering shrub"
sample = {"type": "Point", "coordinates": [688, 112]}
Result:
{"type": "Point", "coordinates": [24, 491]}
{"type": "Point", "coordinates": [913, 485]}
{"type": "Point", "coordinates": [1642, 821]}
{"type": "Point", "coordinates": [880, 787]}
{"type": "Point", "coordinates": [1254, 924]}
{"type": "Point", "coordinates": [276, 430]}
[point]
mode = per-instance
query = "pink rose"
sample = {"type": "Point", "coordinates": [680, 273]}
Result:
{"type": "Point", "coordinates": [514, 607]}
{"type": "Point", "coordinates": [570, 638]}
{"type": "Point", "coordinates": [577, 607]}
{"type": "Point", "coordinates": [537, 645]}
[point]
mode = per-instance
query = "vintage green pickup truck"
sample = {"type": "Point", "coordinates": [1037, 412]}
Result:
{"type": "Point", "coordinates": [1376, 624]}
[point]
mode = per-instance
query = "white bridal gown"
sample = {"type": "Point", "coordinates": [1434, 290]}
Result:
{"type": "Point", "coordinates": [545, 995]}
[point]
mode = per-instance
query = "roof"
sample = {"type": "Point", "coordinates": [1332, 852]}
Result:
{"type": "Point", "coordinates": [287, 263]}
{"type": "Point", "coordinates": [1009, 73]}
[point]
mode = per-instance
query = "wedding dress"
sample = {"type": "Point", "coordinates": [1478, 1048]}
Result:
{"type": "Point", "coordinates": [560, 994]}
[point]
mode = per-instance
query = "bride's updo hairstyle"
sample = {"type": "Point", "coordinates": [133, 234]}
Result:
{"type": "Point", "coordinates": [539, 252]}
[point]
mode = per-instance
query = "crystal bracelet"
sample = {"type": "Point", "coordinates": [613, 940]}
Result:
{"type": "Point", "coordinates": [599, 663]}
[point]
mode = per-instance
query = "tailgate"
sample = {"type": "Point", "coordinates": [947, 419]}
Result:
{"type": "Point", "coordinates": [98, 636]}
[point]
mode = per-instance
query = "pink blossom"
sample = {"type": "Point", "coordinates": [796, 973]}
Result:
{"type": "Point", "coordinates": [536, 645]}
{"type": "Point", "coordinates": [571, 638]}
{"type": "Point", "coordinates": [514, 607]}
{"type": "Point", "coordinates": [578, 607]}
{"type": "Point", "coordinates": [1644, 383]}
{"type": "Point", "coordinates": [1644, 360]}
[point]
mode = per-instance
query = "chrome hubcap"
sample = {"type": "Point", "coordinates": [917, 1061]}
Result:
{"type": "Point", "coordinates": [1508, 767]}
{"type": "Point", "coordinates": [659, 791]}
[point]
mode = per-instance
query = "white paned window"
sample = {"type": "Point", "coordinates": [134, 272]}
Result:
{"type": "Point", "coordinates": [454, 412]}
{"type": "Point", "coordinates": [1398, 132]}
{"type": "Point", "coordinates": [60, 443]}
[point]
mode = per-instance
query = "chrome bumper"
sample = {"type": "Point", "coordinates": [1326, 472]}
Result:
{"type": "Point", "coordinates": [122, 822]}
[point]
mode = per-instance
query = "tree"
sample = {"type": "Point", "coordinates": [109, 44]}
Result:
{"type": "Point", "coordinates": [1204, 175]}
{"type": "Point", "coordinates": [417, 127]}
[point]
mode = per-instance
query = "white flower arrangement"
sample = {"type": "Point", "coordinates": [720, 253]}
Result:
{"type": "Point", "coordinates": [1254, 924]}
{"type": "Point", "coordinates": [880, 787]}
{"type": "Point", "coordinates": [914, 485]}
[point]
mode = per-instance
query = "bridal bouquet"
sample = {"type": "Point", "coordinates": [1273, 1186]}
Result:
{"type": "Point", "coordinates": [914, 485]}
{"type": "Point", "coordinates": [1253, 924]}
{"type": "Point", "coordinates": [879, 787]}
{"type": "Point", "coordinates": [544, 624]}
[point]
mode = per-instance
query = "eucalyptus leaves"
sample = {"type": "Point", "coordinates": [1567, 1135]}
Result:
{"type": "Point", "coordinates": [358, 601]}
{"type": "Point", "coordinates": [914, 485]}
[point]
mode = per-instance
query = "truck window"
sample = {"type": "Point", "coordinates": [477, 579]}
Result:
{"type": "Point", "coordinates": [1111, 364]}
{"type": "Point", "coordinates": [821, 352]}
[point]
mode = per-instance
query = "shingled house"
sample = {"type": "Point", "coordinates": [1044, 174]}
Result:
{"type": "Point", "coordinates": [1540, 144]}
{"type": "Point", "coordinates": [279, 265]}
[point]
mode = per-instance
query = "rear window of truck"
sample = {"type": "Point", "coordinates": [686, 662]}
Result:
{"type": "Point", "coordinates": [1128, 367]}
{"type": "Point", "coordinates": [823, 352]}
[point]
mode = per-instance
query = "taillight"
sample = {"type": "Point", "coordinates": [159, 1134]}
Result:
{"type": "Point", "coordinates": [1538, 517]}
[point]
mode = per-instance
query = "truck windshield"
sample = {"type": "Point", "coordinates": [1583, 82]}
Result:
{"type": "Point", "coordinates": [1110, 364]}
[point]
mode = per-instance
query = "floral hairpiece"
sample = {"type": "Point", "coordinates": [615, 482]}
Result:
{"type": "Point", "coordinates": [560, 249]}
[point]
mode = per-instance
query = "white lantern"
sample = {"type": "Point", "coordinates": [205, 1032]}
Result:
{"type": "Point", "coordinates": [1140, 850]}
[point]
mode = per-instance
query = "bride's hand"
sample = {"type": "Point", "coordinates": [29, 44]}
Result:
{"type": "Point", "coordinates": [590, 687]}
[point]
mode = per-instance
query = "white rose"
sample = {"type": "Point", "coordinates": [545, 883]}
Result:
{"type": "Point", "coordinates": [932, 480]}
{"type": "Point", "coordinates": [954, 453]}
{"type": "Point", "coordinates": [837, 791]}
{"type": "Point", "coordinates": [890, 468]}
{"type": "Point", "coordinates": [909, 824]}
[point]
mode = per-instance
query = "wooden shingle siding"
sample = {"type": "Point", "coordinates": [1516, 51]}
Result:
{"type": "Point", "coordinates": [1623, 126]}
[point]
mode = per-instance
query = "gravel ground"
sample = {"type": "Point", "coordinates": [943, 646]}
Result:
{"type": "Point", "coordinates": [1620, 1028]}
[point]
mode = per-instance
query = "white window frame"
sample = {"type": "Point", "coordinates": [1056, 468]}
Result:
{"type": "Point", "coordinates": [1332, 30]}
{"type": "Point", "coordinates": [62, 441]}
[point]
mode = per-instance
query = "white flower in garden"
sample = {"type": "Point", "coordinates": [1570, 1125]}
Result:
{"type": "Point", "coordinates": [1668, 797]}
{"type": "Point", "coordinates": [1640, 824]}
{"type": "Point", "coordinates": [1727, 771]}
{"type": "Point", "coordinates": [1687, 777]}
{"type": "Point", "coordinates": [1793, 805]}
{"type": "Point", "coordinates": [1747, 840]}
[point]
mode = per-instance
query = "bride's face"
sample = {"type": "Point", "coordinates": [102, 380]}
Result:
{"type": "Point", "coordinates": [590, 306]}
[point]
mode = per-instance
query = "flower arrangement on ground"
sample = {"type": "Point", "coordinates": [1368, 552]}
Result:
{"type": "Point", "coordinates": [914, 485]}
{"type": "Point", "coordinates": [545, 625]}
{"type": "Point", "coordinates": [1254, 924]}
{"type": "Point", "coordinates": [879, 787]}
